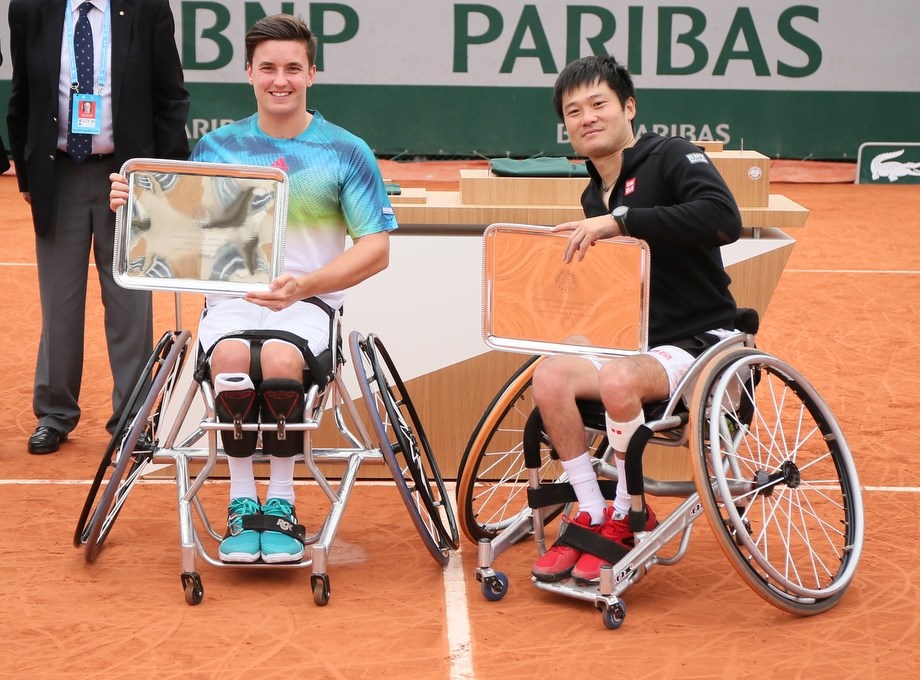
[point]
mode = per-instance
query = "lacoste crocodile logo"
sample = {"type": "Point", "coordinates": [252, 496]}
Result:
{"type": "Point", "coordinates": [883, 166]}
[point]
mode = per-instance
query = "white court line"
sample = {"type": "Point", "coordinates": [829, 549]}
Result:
{"type": "Point", "coordinates": [902, 272]}
{"type": "Point", "coordinates": [310, 482]}
{"type": "Point", "coordinates": [459, 641]}
{"type": "Point", "coordinates": [31, 265]}
{"type": "Point", "coordinates": [163, 480]}
{"type": "Point", "coordinates": [893, 489]}
{"type": "Point", "coordinates": [456, 612]}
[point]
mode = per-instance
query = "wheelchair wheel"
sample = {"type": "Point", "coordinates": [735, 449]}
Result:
{"type": "Point", "coordinates": [776, 480]}
{"type": "Point", "coordinates": [404, 446]}
{"type": "Point", "coordinates": [492, 477]}
{"type": "Point", "coordinates": [133, 445]}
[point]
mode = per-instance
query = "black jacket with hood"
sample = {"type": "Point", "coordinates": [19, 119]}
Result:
{"type": "Point", "coordinates": [680, 205]}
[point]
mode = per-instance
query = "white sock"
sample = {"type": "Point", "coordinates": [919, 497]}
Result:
{"type": "Point", "coordinates": [584, 481]}
{"type": "Point", "coordinates": [242, 478]}
{"type": "Point", "coordinates": [281, 479]}
{"type": "Point", "coordinates": [623, 501]}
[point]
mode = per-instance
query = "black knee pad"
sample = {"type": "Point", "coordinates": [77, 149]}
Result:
{"type": "Point", "coordinates": [238, 406]}
{"type": "Point", "coordinates": [282, 403]}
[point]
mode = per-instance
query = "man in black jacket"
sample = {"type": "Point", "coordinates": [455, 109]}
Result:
{"type": "Point", "coordinates": [139, 106]}
{"type": "Point", "coordinates": [666, 192]}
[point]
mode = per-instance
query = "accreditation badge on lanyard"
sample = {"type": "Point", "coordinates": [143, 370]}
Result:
{"type": "Point", "coordinates": [86, 117]}
{"type": "Point", "coordinates": [87, 114]}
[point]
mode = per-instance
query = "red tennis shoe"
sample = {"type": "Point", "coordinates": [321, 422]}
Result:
{"type": "Point", "coordinates": [557, 562]}
{"type": "Point", "coordinates": [587, 570]}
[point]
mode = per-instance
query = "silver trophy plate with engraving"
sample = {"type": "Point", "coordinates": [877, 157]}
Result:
{"type": "Point", "coordinates": [200, 227]}
{"type": "Point", "coordinates": [535, 302]}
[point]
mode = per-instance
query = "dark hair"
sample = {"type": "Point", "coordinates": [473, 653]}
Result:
{"type": "Point", "coordinates": [590, 70]}
{"type": "Point", "coordinates": [280, 27]}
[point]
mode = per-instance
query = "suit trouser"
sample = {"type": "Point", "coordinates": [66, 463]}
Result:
{"type": "Point", "coordinates": [85, 224]}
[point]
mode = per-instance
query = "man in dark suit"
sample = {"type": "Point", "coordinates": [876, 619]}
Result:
{"type": "Point", "coordinates": [141, 107]}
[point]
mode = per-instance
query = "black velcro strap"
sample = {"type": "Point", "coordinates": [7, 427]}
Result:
{"type": "Point", "coordinates": [309, 358]}
{"type": "Point", "coordinates": [588, 541]}
{"type": "Point", "coordinates": [322, 305]}
{"type": "Point", "coordinates": [275, 523]}
{"type": "Point", "coordinates": [557, 493]}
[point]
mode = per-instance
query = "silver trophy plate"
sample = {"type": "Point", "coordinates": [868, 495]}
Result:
{"type": "Point", "coordinates": [200, 227]}
{"type": "Point", "coordinates": [534, 302]}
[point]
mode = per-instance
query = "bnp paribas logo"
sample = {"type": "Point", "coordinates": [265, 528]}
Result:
{"type": "Point", "coordinates": [888, 163]}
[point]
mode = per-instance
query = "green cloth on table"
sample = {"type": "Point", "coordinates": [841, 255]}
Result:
{"type": "Point", "coordinates": [537, 167]}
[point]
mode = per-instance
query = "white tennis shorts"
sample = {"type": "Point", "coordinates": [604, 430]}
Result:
{"type": "Point", "coordinates": [303, 319]}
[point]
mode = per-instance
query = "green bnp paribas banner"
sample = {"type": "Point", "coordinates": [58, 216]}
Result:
{"type": "Point", "coordinates": [422, 77]}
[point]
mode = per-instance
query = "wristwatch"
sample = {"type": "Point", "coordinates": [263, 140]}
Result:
{"type": "Point", "coordinates": [619, 214]}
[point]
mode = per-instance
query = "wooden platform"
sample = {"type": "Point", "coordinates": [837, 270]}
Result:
{"type": "Point", "coordinates": [485, 198]}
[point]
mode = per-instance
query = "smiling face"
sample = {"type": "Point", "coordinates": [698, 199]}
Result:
{"type": "Point", "coordinates": [280, 74]}
{"type": "Point", "coordinates": [597, 123]}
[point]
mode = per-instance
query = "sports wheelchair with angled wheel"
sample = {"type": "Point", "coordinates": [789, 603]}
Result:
{"type": "Point", "coordinates": [220, 229]}
{"type": "Point", "coordinates": [771, 471]}
{"type": "Point", "coordinates": [156, 436]}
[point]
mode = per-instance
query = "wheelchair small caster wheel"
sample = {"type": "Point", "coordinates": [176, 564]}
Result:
{"type": "Point", "coordinates": [614, 614]}
{"type": "Point", "coordinates": [191, 585]}
{"type": "Point", "coordinates": [319, 583]}
{"type": "Point", "coordinates": [494, 587]}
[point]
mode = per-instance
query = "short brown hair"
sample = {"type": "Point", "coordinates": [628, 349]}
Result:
{"type": "Point", "coordinates": [280, 27]}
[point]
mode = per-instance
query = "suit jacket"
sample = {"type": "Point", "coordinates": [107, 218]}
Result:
{"type": "Point", "coordinates": [149, 99]}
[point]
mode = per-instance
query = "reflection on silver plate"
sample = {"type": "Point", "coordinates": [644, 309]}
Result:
{"type": "Point", "coordinates": [534, 302]}
{"type": "Point", "coordinates": [200, 227]}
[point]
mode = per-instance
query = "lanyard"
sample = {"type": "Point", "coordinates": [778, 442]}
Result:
{"type": "Point", "coordinates": [102, 57]}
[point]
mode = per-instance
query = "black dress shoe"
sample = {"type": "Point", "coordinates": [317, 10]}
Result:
{"type": "Point", "coordinates": [46, 439]}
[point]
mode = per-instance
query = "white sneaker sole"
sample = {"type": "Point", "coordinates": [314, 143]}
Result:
{"type": "Point", "coordinates": [280, 558]}
{"type": "Point", "coordinates": [240, 557]}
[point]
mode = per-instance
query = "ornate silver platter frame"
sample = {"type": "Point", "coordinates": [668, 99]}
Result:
{"type": "Point", "coordinates": [200, 227]}
{"type": "Point", "coordinates": [534, 302]}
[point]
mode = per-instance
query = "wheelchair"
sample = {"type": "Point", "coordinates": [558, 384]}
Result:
{"type": "Point", "coordinates": [770, 470]}
{"type": "Point", "coordinates": [156, 436]}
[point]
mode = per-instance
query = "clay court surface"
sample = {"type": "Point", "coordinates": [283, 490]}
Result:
{"type": "Point", "coordinates": [846, 313]}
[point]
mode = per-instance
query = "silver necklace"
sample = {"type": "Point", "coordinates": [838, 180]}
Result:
{"type": "Point", "coordinates": [607, 187]}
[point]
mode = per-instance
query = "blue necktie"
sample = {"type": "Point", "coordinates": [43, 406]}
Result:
{"type": "Point", "coordinates": [81, 146]}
